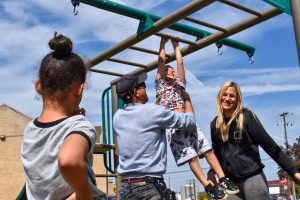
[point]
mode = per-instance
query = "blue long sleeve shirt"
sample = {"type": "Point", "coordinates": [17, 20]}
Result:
{"type": "Point", "coordinates": [141, 138]}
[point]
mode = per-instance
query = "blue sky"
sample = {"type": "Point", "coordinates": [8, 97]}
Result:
{"type": "Point", "coordinates": [270, 85]}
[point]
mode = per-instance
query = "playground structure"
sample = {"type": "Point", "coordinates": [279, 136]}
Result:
{"type": "Point", "coordinates": [149, 25]}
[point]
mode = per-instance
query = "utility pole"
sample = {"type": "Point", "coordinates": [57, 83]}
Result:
{"type": "Point", "coordinates": [283, 115]}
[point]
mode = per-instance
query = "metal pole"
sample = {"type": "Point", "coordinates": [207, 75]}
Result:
{"type": "Point", "coordinates": [177, 38]}
{"type": "Point", "coordinates": [231, 30]}
{"type": "Point", "coordinates": [105, 72]}
{"type": "Point", "coordinates": [287, 148]}
{"type": "Point", "coordinates": [286, 144]}
{"type": "Point", "coordinates": [116, 151]}
{"type": "Point", "coordinates": [284, 126]}
{"type": "Point", "coordinates": [126, 62]}
{"type": "Point", "coordinates": [243, 8]}
{"type": "Point", "coordinates": [295, 10]}
{"type": "Point", "coordinates": [196, 21]}
{"type": "Point", "coordinates": [146, 50]}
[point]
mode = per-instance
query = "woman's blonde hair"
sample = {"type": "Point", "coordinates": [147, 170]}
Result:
{"type": "Point", "coordinates": [221, 125]}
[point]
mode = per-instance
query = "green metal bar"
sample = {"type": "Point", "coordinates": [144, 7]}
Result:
{"type": "Point", "coordinates": [108, 128]}
{"type": "Point", "coordinates": [104, 141]}
{"type": "Point", "coordinates": [283, 5]}
{"type": "Point", "coordinates": [103, 122]}
{"type": "Point", "coordinates": [117, 8]}
{"type": "Point", "coordinates": [108, 117]}
{"type": "Point", "coordinates": [22, 194]}
{"type": "Point", "coordinates": [231, 43]}
{"type": "Point", "coordinates": [108, 154]}
{"type": "Point", "coordinates": [141, 15]}
{"type": "Point", "coordinates": [105, 157]}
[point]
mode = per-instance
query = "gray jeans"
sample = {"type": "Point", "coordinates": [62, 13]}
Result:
{"type": "Point", "coordinates": [253, 188]}
{"type": "Point", "coordinates": [146, 191]}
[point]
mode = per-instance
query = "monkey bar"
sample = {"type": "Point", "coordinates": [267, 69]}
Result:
{"type": "Point", "coordinates": [151, 25]}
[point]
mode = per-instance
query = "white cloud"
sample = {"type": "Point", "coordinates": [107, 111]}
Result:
{"type": "Point", "coordinates": [250, 90]}
{"type": "Point", "coordinates": [17, 11]}
{"type": "Point", "coordinates": [280, 78]}
{"type": "Point", "coordinates": [146, 5]}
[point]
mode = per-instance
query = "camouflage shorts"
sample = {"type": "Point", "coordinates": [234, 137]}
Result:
{"type": "Point", "coordinates": [186, 144]}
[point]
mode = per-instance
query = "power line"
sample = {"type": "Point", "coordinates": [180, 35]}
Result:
{"type": "Point", "coordinates": [277, 137]}
{"type": "Point", "coordinates": [178, 171]}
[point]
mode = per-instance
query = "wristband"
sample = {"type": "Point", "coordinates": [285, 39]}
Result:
{"type": "Point", "coordinates": [187, 98]}
{"type": "Point", "coordinates": [210, 171]}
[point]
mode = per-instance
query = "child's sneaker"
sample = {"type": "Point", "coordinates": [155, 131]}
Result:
{"type": "Point", "coordinates": [214, 193]}
{"type": "Point", "coordinates": [228, 186]}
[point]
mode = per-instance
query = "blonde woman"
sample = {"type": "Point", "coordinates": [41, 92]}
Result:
{"type": "Point", "coordinates": [236, 134]}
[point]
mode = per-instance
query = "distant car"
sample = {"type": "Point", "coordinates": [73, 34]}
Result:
{"type": "Point", "coordinates": [279, 197]}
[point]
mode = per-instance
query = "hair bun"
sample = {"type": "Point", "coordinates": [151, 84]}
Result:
{"type": "Point", "coordinates": [61, 45]}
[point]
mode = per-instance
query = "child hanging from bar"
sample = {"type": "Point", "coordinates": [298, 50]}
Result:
{"type": "Point", "coordinates": [186, 145]}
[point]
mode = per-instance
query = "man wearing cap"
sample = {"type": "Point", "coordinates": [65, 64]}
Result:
{"type": "Point", "coordinates": [142, 143]}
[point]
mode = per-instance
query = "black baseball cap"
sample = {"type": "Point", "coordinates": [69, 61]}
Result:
{"type": "Point", "coordinates": [129, 82]}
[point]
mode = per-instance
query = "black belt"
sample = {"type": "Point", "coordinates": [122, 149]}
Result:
{"type": "Point", "coordinates": [147, 179]}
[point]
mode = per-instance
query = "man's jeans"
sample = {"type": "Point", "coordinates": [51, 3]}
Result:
{"type": "Point", "coordinates": [139, 191]}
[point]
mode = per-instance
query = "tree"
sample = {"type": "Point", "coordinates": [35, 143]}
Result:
{"type": "Point", "coordinates": [294, 153]}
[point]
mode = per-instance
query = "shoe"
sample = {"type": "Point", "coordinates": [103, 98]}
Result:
{"type": "Point", "coordinates": [214, 193]}
{"type": "Point", "coordinates": [228, 186]}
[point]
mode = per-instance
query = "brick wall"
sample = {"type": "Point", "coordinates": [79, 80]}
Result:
{"type": "Point", "coordinates": [12, 124]}
{"type": "Point", "coordinates": [105, 184]}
